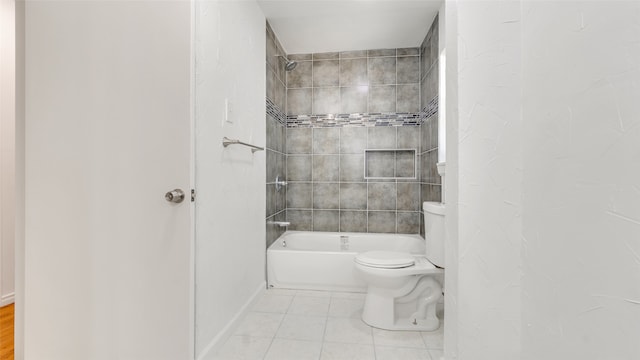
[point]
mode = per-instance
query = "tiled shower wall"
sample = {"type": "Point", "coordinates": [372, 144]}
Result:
{"type": "Point", "coordinates": [366, 81]}
{"type": "Point", "coordinates": [276, 136]}
{"type": "Point", "coordinates": [328, 191]}
{"type": "Point", "coordinates": [430, 181]}
{"type": "Point", "coordinates": [338, 105]}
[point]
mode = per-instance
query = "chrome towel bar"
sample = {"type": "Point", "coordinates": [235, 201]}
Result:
{"type": "Point", "coordinates": [226, 142]}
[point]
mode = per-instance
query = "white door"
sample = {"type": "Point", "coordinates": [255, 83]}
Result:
{"type": "Point", "coordinates": [108, 263]}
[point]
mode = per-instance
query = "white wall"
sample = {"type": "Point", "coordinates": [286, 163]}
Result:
{"type": "Point", "coordinates": [489, 180]}
{"type": "Point", "coordinates": [7, 147]}
{"type": "Point", "coordinates": [230, 250]}
{"type": "Point", "coordinates": [543, 171]}
{"type": "Point", "coordinates": [581, 143]}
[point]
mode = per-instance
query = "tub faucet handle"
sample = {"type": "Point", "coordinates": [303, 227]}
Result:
{"type": "Point", "coordinates": [280, 183]}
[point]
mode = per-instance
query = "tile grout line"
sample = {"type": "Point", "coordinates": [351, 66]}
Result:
{"type": "Point", "coordinates": [395, 80]}
{"type": "Point", "coordinates": [278, 329]}
{"type": "Point", "coordinates": [367, 182]}
{"type": "Point", "coordinates": [368, 83]}
{"type": "Point", "coordinates": [395, 174]}
{"type": "Point", "coordinates": [324, 333]}
{"type": "Point", "coordinates": [373, 341]}
{"type": "Point", "coordinates": [339, 181]}
{"type": "Point", "coordinates": [313, 185]}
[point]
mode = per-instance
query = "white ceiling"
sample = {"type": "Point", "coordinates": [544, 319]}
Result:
{"type": "Point", "coordinates": [313, 26]}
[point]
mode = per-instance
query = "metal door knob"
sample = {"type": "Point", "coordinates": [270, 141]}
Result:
{"type": "Point", "coordinates": [174, 196]}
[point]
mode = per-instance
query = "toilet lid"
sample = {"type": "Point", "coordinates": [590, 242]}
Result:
{"type": "Point", "coordinates": [385, 259]}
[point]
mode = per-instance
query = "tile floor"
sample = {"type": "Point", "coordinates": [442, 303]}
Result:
{"type": "Point", "coordinates": [300, 325]}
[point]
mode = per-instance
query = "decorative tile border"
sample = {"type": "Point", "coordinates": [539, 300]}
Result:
{"type": "Point", "coordinates": [430, 110]}
{"type": "Point", "coordinates": [276, 112]}
{"type": "Point", "coordinates": [353, 120]}
{"type": "Point", "coordinates": [361, 120]}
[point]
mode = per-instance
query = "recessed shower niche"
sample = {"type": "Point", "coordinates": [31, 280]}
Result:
{"type": "Point", "coordinates": [390, 164]}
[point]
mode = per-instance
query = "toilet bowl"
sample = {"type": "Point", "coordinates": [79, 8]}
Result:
{"type": "Point", "coordinates": [404, 289]}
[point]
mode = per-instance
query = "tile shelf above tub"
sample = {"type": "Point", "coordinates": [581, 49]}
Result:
{"type": "Point", "coordinates": [390, 164]}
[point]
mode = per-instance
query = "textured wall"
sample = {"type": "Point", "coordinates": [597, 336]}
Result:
{"type": "Point", "coordinates": [581, 224]}
{"type": "Point", "coordinates": [547, 197]}
{"type": "Point", "coordinates": [489, 186]}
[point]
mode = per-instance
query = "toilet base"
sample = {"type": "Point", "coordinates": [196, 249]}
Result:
{"type": "Point", "coordinates": [415, 311]}
{"type": "Point", "coordinates": [405, 324]}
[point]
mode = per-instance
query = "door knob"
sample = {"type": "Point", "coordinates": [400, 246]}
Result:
{"type": "Point", "coordinates": [174, 196]}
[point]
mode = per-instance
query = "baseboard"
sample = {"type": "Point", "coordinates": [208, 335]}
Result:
{"type": "Point", "coordinates": [7, 299]}
{"type": "Point", "coordinates": [228, 330]}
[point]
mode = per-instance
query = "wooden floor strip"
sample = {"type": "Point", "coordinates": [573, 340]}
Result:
{"type": "Point", "coordinates": [6, 332]}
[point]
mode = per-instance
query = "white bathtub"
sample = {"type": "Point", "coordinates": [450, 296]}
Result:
{"type": "Point", "coordinates": [325, 261]}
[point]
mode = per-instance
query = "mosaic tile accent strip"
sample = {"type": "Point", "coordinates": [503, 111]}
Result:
{"type": "Point", "coordinates": [354, 120]}
{"type": "Point", "coordinates": [430, 110]}
{"type": "Point", "coordinates": [276, 112]}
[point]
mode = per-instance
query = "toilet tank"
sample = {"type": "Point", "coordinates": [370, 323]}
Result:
{"type": "Point", "coordinates": [434, 232]}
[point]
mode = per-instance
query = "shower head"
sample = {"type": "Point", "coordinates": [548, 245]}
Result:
{"type": "Point", "coordinates": [289, 65]}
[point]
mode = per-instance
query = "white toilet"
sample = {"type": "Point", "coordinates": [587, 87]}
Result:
{"type": "Point", "coordinates": [403, 289]}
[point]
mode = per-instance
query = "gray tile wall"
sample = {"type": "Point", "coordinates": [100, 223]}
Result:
{"type": "Point", "coordinates": [276, 137]}
{"type": "Point", "coordinates": [430, 181]}
{"type": "Point", "coordinates": [328, 192]}
{"type": "Point", "coordinates": [324, 165]}
{"type": "Point", "coordinates": [276, 78]}
{"type": "Point", "coordinates": [366, 81]}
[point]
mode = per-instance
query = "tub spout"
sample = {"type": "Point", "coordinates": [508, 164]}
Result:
{"type": "Point", "coordinates": [279, 223]}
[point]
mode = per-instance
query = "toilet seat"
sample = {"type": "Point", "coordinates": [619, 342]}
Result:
{"type": "Point", "coordinates": [421, 266]}
{"type": "Point", "coordinates": [385, 259]}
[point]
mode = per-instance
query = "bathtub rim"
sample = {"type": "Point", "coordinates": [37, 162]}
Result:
{"type": "Point", "coordinates": [334, 233]}
{"type": "Point", "coordinates": [275, 279]}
